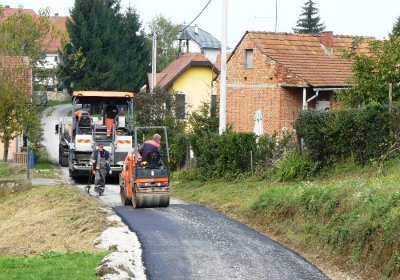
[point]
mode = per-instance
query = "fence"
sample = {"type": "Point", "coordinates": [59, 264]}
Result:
{"type": "Point", "coordinates": [20, 158]}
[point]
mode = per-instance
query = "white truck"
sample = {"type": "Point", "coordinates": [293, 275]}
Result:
{"type": "Point", "coordinates": [78, 138]}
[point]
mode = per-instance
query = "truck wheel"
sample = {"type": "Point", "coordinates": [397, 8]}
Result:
{"type": "Point", "coordinates": [62, 160]}
{"type": "Point", "coordinates": [72, 174]}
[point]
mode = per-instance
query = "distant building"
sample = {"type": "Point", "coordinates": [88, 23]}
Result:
{"type": "Point", "coordinates": [193, 77]}
{"type": "Point", "coordinates": [51, 44]}
{"type": "Point", "coordinates": [195, 40]}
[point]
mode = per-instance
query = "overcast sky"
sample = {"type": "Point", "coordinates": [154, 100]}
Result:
{"type": "Point", "coordinates": [348, 17]}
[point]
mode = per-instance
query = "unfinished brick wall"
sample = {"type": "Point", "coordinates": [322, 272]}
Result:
{"type": "Point", "coordinates": [259, 88]}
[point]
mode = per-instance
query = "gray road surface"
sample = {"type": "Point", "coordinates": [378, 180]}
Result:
{"type": "Point", "coordinates": [186, 241]}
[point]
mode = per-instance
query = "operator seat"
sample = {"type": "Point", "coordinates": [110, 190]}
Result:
{"type": "Point", "coordinates": [153, 159]}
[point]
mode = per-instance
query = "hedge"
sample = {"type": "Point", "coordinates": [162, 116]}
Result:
{"type": "Point", "coordinates": [331, 136]}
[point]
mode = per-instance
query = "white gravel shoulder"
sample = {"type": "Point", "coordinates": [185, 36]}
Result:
{"type": "Point", "coordinates": [126, 261]}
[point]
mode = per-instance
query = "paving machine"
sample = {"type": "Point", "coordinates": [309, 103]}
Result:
{"type": "Point", "coordinates": [79, 137]}
{"type": "Point", "coordinates": [144, 182]}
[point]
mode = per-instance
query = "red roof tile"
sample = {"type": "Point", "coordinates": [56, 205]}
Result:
{"type": "Point", "coordinates": [54, 44]}
{"type": "Point", "coordinates": [50, 44]}
{"type": "Point", "coordinates": [306, 56]}
{"type": "Point", "coordinates": [178, 66]}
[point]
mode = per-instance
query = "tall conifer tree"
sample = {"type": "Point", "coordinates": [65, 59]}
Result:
{"type": "Point", "coordinates": [309, 21]}
{"type": "Point", "coordinates": [396, 28]}
{"type": "Point", "coordinates": [106, 50]}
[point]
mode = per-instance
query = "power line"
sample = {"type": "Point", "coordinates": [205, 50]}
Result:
{"type": "Point", "coordinates": [196, 16]}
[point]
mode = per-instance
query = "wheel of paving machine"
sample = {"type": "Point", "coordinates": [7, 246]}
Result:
{"type": "Point", "coordinates": [122, 192]}
{"type": "Point", "coordinates": [124, 200]}
{"type": "Point", "coordinates": [136, 200]}
{"type": "Point", "coordinates": [164, 200]}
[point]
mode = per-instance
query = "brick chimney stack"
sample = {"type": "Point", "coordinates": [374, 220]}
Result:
{"type": "Point", "coordinates": [327, 39]}
{"type": "Point", "coordinates": [56, 14]}
{"type": "Point", "coordinates": [7, 6]}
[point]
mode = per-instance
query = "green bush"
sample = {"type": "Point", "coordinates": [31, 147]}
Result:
{"type": "Point", "coordinates": [295, 166]}
{"type": "Point", "coordinates": [332, 136]}
{"type": "Point", "coordinates": [178, 150]}
{"type": "Point", "coordinates": [224, 155]}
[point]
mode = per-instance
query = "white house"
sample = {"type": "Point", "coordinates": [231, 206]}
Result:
{"type": "Point", "coordinates": [195, 40]}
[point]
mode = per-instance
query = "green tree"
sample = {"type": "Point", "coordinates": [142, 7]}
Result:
{"type": "Point", "coordinates": [106, 50]}
{"type": "Point", "coordinates": [21, 50]}
{"type": "Point", "coordinates": [202, 121]}
{"type": "Point", "coordinates": [166, 34]}
{"type": "Point", "coordinates": [309, 21]}
{"type": "Point", "coordinates": [373, 73]}
{"type": "Point", "coordinates": [159, 109]}
{"type": "Point", "coordinates": [15, 98]}
{"type": "Point", "coordinates": [396, 28]}
{"type": "Point", "coordinates": [134, 54]}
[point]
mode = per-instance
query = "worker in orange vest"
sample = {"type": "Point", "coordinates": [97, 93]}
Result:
{"type": "Point", "coordinates": [111, 112]}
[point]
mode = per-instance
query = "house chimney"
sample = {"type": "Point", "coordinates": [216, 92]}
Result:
{"type": "Point", "coordinates": [7, 6]}
{"type": "Point", "coordinates": [327, 39]}
{"type": "Point", "coordinates": [196, 29]}
{"type": "Point", "coordinates": [56, 14]}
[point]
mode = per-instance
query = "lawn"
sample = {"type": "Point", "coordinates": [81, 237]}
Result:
{"type": "Point", "coordinates": [4, 169]}
{"type": "Point", "coordinates": [51, 266]}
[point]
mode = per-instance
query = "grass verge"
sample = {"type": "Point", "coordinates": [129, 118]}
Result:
{"type": "Point", "coordinates": [45, 168]}
{"type": "Point", "coordinates": [51, 265]}
{"type": "Point", "coordinates": [352, 215]}
{"type": "Point", "coordinates": [49, 218]}
{"type": "Point", "coordinates": [4, 169]}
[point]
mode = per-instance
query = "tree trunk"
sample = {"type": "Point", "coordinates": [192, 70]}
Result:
{"type": "Point", "coordinates": [6, 144]}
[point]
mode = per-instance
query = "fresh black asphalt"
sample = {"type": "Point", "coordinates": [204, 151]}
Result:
{"type": "Point", "coordinates": [186, 241]}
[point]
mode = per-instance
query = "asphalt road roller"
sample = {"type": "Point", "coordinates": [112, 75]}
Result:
{"type": "Point", "coordinates": [145, 179]}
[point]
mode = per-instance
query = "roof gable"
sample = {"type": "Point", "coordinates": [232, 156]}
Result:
{"type": "Point", "coordinates": [204, 39]}
{"type": "Point", "coordinates": [175, 69]}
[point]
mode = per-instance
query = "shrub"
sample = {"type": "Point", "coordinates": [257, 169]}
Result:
{"type": "Point", "coordinates": [224, 155]}
{"type": "Point", "coordinates": [295, 166]}
{"type": "Point", "coordinates": [332, 136]}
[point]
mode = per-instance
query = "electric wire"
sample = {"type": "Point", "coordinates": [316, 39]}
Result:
{"type": "Point", "coordinates": [196, 16]}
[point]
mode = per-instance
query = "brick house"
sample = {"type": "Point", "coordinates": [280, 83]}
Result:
{"type": "Point", "coordinates": [280, 74]}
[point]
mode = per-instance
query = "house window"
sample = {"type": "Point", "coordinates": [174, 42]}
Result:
{"type": "Point", "coordinates": [248, 59]}
{"type": "Point", "coordinates": [55, 58]}
{"type": "Point", "coordinates": [180, 106]}
{"type": "Point", "coordinates": [213, 105]}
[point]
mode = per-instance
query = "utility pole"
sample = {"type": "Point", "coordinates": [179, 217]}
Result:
{"type": "Point", "coordinates": [154, 63]}
{"type": "Point", "coordinates": [276, 14]}
{"type": "Point", "coordinates": [222, 101]}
